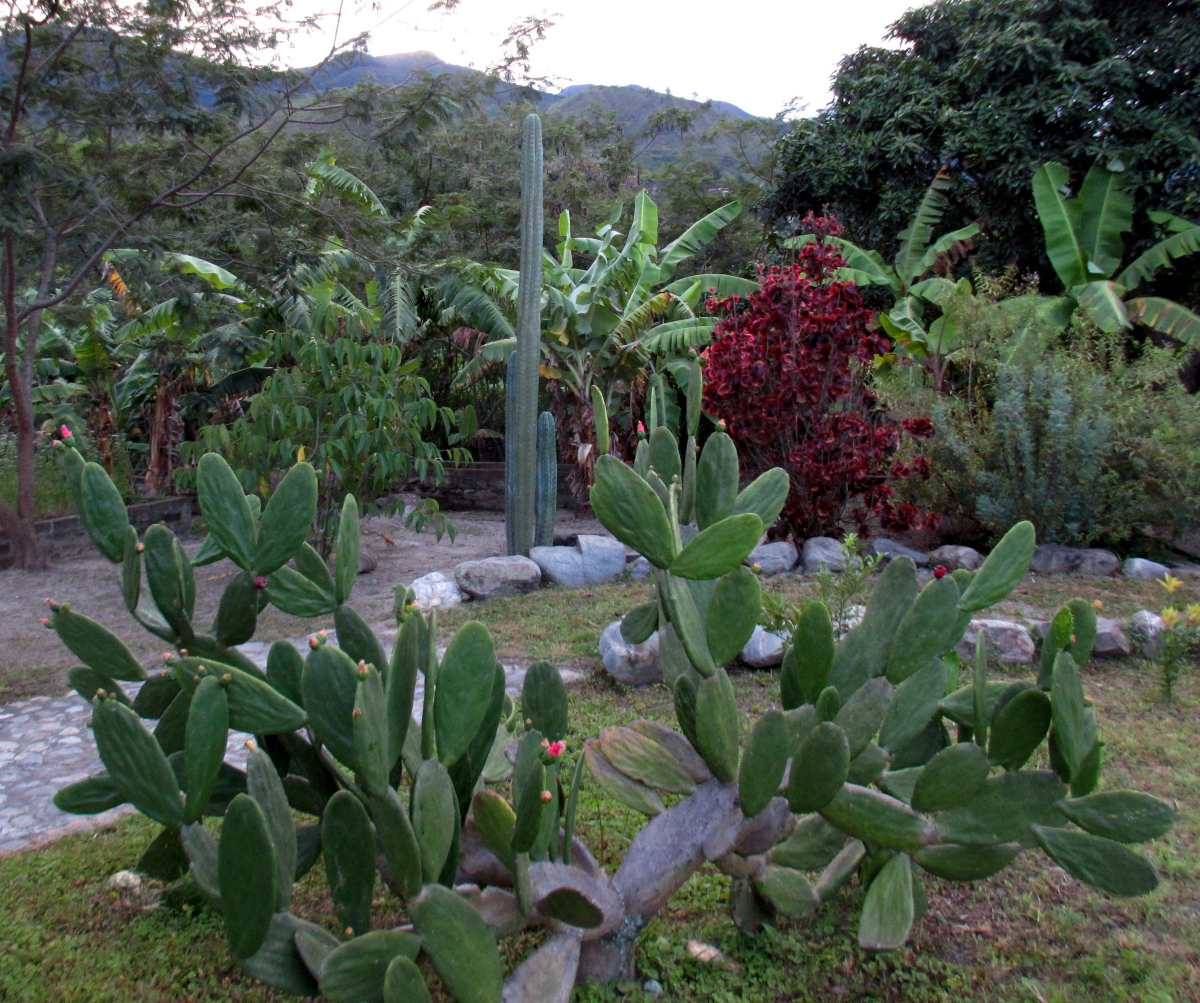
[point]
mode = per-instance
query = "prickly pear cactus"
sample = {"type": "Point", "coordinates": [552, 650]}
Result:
{"type": "Point", "coordinates": [877, 763]}
{"type": "Point", "coordinates": [334, 734]}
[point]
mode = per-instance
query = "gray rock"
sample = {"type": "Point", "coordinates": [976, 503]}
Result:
{"type": "Point", "coordinates": [952, 558]}
{"type": "Point", "coordinates": [822, 552]}
{"type": "Point", "coordinates": [763, 650]}
{"type": "Point", "coordinates": [1053, 559]}
{"type": "Point", "coordinates": [592, 560]}
{"type": "Point", "coordinates": [888, 549]}
{"type": "Point", "coordinates": [1147, 629]}
{"type": "Point", "coordinates": [632, 664]}
{"type": "Point", "coordinates": [640, 570]}
{"type": "Point", "coordinates": [1007, 642]}
{"type": "Point", "coordinates": [603, 558]}
{"type": "Point", "coordinates": [1111, 641]}
{"type": "Point", "coordinates": [498, 576]}
{"type": "Point", "coordinates": [435, 591]}
{"type": "Point", "coordinates": [774, 558]}
{"type": "Point", "coordinates": [1181, 568]}
{"type": "Point", "coordinates": [1139, 567]}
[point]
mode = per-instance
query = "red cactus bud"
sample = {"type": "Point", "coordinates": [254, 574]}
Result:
{"type": "Point", "coordinates": [260, 582]}
{"type": "Point", "coordinates": [141, 547]}
{"type": "Point", "coordinates": [66, 432]}
{"type": "Point", "coordinates": [313, 642]}
{"type": "Point", "coordinates": [183, 652]}
{"type": "Point", "coordinates": [49, 602]}
{"type": "Point", "coordinates": [43, 621]}
{"type": "Point", "coordinates": [545, 743]}
{"type": "Point", "coordinates": [227, 678]}
{"type": "Point", "coordinates": [546, 796]}
{"type": "Point", "coordinates": [357, 712]}
{"type": "Point", "coordinates": [940, 571]}
{"type": "Point", "coordinates": [556, 749]}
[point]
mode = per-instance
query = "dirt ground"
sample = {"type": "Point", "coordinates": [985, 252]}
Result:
{"type": "Point", "coordinates": [92, 586]}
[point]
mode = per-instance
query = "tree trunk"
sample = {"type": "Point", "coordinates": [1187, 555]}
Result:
{"type": "Point", "coordinates": [18, 522]}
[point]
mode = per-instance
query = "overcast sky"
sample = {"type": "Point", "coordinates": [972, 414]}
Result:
{"type": "Point", "coordinates": [758, 55]}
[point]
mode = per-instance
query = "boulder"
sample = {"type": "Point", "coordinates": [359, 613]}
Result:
{"type": "Point", "coordinates": [1007, 642]}
{"type": "Point", "coordinates": [1111, 641]}
{"type": "Point", "coordinates": [498, 576]}
{"type": "Point", "coordinates": [640, 569]}
{"type": "Point", "coordinates": [1147, 629]}
{"type": "Point", "coordinates": [592, 560]}
{"type": "Point", "coordinates": [774, 558]}
{"type": "Point", "coordinates": [1053, 559]}
{"type": "Point", "coordinates": [632, 664]}
{"type": "Point", "coordinates": [764, 649]}
{"type": "Point", "coordinates": [1139, 567]}
{"type": "Point", "coordinates": [435, 591]}
{"type": "Point", "coordinates": [1181, 568]}
{"type": "Point", "coordinates": [952, 558]}
{"type": "Point", "coordinates": [888, 549]}
{"type": "Point", "coordinates": [822, 552]}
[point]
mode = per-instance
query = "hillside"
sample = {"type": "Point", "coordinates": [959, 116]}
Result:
{"type": "Point", "coordinates": [633, 104]}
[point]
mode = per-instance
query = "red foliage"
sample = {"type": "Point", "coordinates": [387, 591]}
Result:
{"type": "Point", "coordinates": [785, 372]}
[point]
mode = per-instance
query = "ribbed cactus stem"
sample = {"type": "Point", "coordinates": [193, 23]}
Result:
{"type": "Point", "coordinates": [522, 437]}
{"type": "Point", "coordinates": [510, 453]}
{"type": "Point", "coordinates": [547, 480]}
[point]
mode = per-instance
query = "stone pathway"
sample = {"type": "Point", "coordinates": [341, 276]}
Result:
{"type": "Point", "coordinates": [45, 744]}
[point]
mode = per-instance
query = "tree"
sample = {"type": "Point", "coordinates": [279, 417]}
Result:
{"type": "Point", "coordinates": [994, 89]}
{"type": "Point", "coordinates": [116, 115]}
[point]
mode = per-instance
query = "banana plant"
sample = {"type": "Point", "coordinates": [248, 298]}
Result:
{"type": "Point", "coordinates": [1085, 244]}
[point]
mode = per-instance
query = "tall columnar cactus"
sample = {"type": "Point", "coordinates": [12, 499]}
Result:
{"type": "Point", "coordinates": [521, 437]}
{"type": "Point", "coordinates": [858, 773]}
{"type": "Point", "coordinates": [334, 734]}
{"type": "Point", "coordinates": [547, 480]}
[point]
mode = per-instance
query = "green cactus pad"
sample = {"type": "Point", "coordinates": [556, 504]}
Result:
{"type": "Point", "coordinates": [102, 512]}
{"type": "Point", "coordinates": [348, 843]}
{"type": "Point", "coordinates": [204, 745]}
{"type": "Point", "coordinates": [687, 500]}
{"type": "Point", "coordinates": [732, 614]}
{"type": "Point", "coordinates": [237, 614]}
{"type": "Point", "coordinates": [959, 706]}
{"type": "Point", "coordinates": [951, 778]}
{"type": "Point", "coordinates": [619, 787]}
{"type": "Point", "coordinates": [404, 983]}
{"type": "Point", "coordinates": [900, 783]}
{"type": "Point", "coordinates": [642, 758]}
{"type": "Point", "coordinates": [719, 549]}
{"type": "Point", "coordinates": [840, 869]}
{"type": "Point", "coordinates": [171, 729]}
{"type": "Point", "coordinates": [247, 873]}
{"type": "Point", "coordinates": [684, 700]}
{"type": "Point", "coordinates": [1074, 725]}
{"type": "Point", "coordinates": [544, 701]}
{"type": "Point", "coordinates": [264, 785]}
{"type": "Point", "coordinates": [1058, 638]}
{"type": "Point", "coordinates": [357, 639]}
{"type": "Point", "coordinates": [688, 623]}
{"type": "Point", "coordinates": [629, 509]}
{"type": "Point", "coordinates": [955, 862]}
{"type": "Point", "coordinates": [279, 962]}
{"type": "Point", "coordinates": [800, 721]}
{"type": "Point", "coordinates": [829, 704]}
{"type": "Point", "coordinates": [394, 833]}
{"type": "Point", "coordinates": [314, 947]}
{"type": "Point", "coordinates": [717, 721]}
{"type": "Point", "coordinates": [861, 715]}
{"type": "Point", "coordinates": [929, 629]}
{"type": "Point", "coordinates": [156, 695]}
{"type": "Point", "coordinates": [1099, 862]}
{"type": "Point", "coordinates": [878, 819]}
{"type": "Point", "coordinates": [285, 668]}
{"type": "Point", "coordinates": [131, 571]}
{"type": "Point", "coordinates": [98, 647]}
{"type": "Point", "coordinates": [812, 646]}
{"type": "Point", "coordinates": [866, 767]}
{"type": "Point", "coordinates": [1122, 816]}
{"type": "Point", "coordinates": [664, 454]}
{"type": "Point", "coordinates": [330, 684]}
{"type": "Point", "coordinates": [136, 762]}
{"type": "Point", "coordinates": [810, 847]}
{"type": "Point", "coordinates": [761, 770]}
{"type": "Point", "coordinates": [372, 760]}
{"type": "Point", "coordinates": [169, 579]}
{"type": "Point", "coordinates": [716, 480]}
{"type": "Point", "coordinates": [600, 419]}
{"type": "Point", "coordinates": [434, 816]}
{"type": "Point", "coordinates": [226, 511]}
{"type": "Point", "coordinates": [913, 705]}
{"type": "Point", "coordinates": [888, 911]}
{"type": "Point", "coordinates": [164, 859]}
{"type": "Point", "coordinates": [349, 549]}
{"type": "Point", "coordinates": [286, 520]}
{"type": "Point", "coordinates": [464, 689]}
{"type": "Point", "coordinates": [87, 682]}
{"type": "Point", "coordinates": [90, 796]}
{"type": "Point", "coordinates": [1084, 626]}
{"type": "Point", "coordinates": [355, 971]}
{"type": "Point", "coordinates": [1004, 808]}
{"type": "Point", "coordinates": [765, 496]}
{"type": "Point", "coordinates": [402, 682]}
{"type": "Point", "coordinates": [293, 593]}
{"type": "Point", "coordinates": [255, 706]}
{"type": "Point", "coordinates": [1018, 729]}
{"type": "Point", "coordinates": [528, 784]}
{"type": "Point", "coordinates": [789, 891]}
{"type": "Point", "coordinates": [818, 769]}
{"type": "Point", "coordinates": [1002, 569]}
{"type": "Point", "coordinates": [459, 943]}
{"type": "Point", "coordinates": [495, 820]}
{"type": "Point", "coordinates": [639, 623]}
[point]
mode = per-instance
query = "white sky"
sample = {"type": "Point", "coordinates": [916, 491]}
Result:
{"type": "Point", "coordinates": [758, 55]}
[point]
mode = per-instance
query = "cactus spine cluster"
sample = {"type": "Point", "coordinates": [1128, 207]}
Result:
{"type": "Point", "coordinates": [521, 436]}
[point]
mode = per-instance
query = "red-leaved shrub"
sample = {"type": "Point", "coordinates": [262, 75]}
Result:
{"type": "Point", "coordinates": [786, 373]}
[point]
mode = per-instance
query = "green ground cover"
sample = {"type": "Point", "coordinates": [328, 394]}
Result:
{"type": "Point", "coordinates": [1032, 934]}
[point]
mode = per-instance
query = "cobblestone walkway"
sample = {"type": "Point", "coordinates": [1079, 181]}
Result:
{"type": "Point", "coordinates": [45, 743]}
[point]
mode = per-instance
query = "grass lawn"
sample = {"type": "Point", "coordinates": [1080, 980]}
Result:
{"type": "Point", "coordinates": [1032, 934]}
